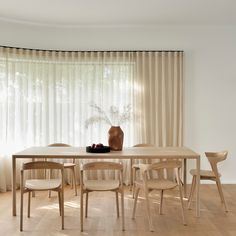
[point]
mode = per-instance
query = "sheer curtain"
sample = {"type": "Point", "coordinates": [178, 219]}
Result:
{"type": "Point", "coordinates": [46, 97]}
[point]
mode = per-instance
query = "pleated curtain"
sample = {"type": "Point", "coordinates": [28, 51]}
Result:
{"type": "Point", "coordinates": [47, 97]}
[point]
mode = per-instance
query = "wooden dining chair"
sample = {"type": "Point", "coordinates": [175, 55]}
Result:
{"type": "Point", "coordinates": [67, 166]}
{"type": "Point", "coordinates": [149, 184]}
{"type": "Point", "coordinates": [87, 186]}
{"type": "Point", "coordinates": [213, 175]}
{"type": "Point", "coordinates": [31, 185]}
{"type": "Point", "coordinates": [135, 167]}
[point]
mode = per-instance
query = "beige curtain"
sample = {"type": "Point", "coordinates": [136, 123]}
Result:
{"type": "Point", "coordinates": [45, 97]}
{"type": "Point", "coordinates": [159, 77]}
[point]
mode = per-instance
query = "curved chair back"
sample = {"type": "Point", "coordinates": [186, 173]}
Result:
{"type": "Point", "coordinates": [59, 145]}
{"type": "Point", "coordinates": [144, 145]}
{"type": "Point", "coordinates": [175, 166]}
{"type": "Point", "coordinates": [216, 156]}
{"type": "Point", "coordinates": [42, 165]}
{"type": "Point", "coordinates": [106, 165]}
{"type": "Point", "coordinates": [165, 165]}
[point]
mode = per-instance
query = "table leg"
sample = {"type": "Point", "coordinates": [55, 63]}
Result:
{"type": "Point", "coordinates": [197, 188]}
{"type": "Point", "coordinates": [185, 178]}
{"type": "Point", "coordinates": [13, 186]}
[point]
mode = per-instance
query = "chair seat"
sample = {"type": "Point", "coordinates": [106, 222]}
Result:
{"type": "Point", "coordinates": [204, 173]}
{"type": "Point", "coordinates": [68, 165]}
{"type": "Point", "coordinates": [101, 185]}
{"type": "Point", "coordinates": [42, 184]}
{"type": "Point", "coordinates": [158, 184]}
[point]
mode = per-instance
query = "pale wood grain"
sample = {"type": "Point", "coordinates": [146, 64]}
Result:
{"type": "Point", "coordinates": [102, 220]}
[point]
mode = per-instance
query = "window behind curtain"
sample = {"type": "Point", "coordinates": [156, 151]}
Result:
{"type": "Point", "coordinates": [46, 99]}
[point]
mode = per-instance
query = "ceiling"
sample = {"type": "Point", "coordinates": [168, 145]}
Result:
{"type": "Point", "coordinates": [76, 13]}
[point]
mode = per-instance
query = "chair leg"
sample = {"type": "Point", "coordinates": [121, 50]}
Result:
{"type": "Point", "coordinates": [50, 175]}
{"type": "Point", "coordinates": [78, 171]}
{"type": "Point", "coordinates": [59, 200]}
{"type": "Point", "coordinates": [161, 202]}
{"type": "Point", "coordinates": [74, 180]}
{"type": "Point", "coordinates": [117, 205]}
{"type": "Point", "coordinates": [219, 186]}
{"type": "Point", "coordinates": [184, 182]}
{"type": "Point", "coordinates": [29, 199]}
{"type": "Point", "coordinates": [134, 178]}
{"type": "Point", "coordinates": [86, 204]}
{"type": "Point", "coordinates": [81, 210]}
{"type": "Point", "coordinates": [135, 202]}
{"type": "Point", "coordinates": [122, 209]}
{"type": "Point", "coordinates": [192, 191]}
{"type": "Point", "coordinates": [71, 180]}
{"type": "Point", "coordinates": [182, 203]}
{"type": "Point", "coordinates": [148, 210]}
{"type": "Point", "coordinates": [21, 209]}
{"type": "Point", "coordinates": [62, 209]}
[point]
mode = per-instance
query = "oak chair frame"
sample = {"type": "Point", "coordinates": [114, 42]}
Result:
{"type": "Point", "coordinates": [84, 189]}
{"type": "Point", "coordinates": [68, 165]}
{"type": "Point", "coordinates": [214, 158]}
{"type": "Point", "coordinates": [43, 165]}
{"type": "Point", "coordinates": [165, 185]}
{"type": "Point", "coordinates": [135, 167]}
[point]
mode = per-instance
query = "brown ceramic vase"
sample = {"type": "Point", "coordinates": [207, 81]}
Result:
{"type": "Point", "coordinates": [115, 138]}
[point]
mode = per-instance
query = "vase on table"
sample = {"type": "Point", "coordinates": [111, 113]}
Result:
{"type": "Point", "coordinates": [115, 138]}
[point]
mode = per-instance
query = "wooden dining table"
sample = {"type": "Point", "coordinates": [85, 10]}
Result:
{"type": "Point", "coordinates": [131, 153]}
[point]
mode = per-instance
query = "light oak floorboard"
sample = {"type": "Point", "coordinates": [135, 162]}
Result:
{"type": "Point", "coordinates": [102, 219]}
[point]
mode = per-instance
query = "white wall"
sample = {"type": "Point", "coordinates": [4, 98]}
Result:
{"type": "Point", "coordinates": [210, 72]}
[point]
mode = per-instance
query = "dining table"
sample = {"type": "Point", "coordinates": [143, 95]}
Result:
{"type": "Point", "coordinates": [131, 153]}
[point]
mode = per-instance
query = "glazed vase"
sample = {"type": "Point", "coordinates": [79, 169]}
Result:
{"type": "Point", "coordinates": [115, 138]}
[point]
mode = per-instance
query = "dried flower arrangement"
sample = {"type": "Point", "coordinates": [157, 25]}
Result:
{"type": "Point", "coordinates": [113, 117]}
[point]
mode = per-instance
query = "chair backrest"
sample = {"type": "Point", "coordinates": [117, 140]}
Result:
{"type": "Point", "coordinates": [106, 165]}
{"type": "Point", "coordinates": [39, 165]}
{"type": "Point", "coordinates": [166, 165]}
{"type": "Point", "coordinates": [173, 165]}
{"type": "Point", "coordinates": [161, 165]}
{"type": "Point", "coordinates": [214, 158]}
{"type": "Point", "coordinates": [42, 165]}
{"type": "Point", "coordinates": [162, 172]}
{"type": "Point", "coordinates": [144, 145]}
{"type": "Point", "coordinates": [59, 145]}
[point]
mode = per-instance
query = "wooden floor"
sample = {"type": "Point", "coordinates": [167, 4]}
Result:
{"type": "Point", "coordinates": [102, 220]}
